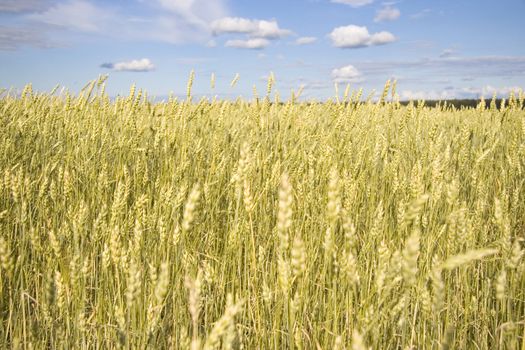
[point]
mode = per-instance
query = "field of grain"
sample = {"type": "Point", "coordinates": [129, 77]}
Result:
{"type": "Point", "coordinates": [251, 224]}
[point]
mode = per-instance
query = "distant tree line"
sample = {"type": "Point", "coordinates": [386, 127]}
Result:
{"type": "Point", "coordinates": [458, 103]}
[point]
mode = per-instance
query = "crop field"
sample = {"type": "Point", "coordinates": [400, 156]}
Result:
{"type": "Point", "coordinates": [354, 223]}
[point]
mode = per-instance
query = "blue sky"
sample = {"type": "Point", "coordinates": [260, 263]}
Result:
{"type": "Point", "coordinates": [435, 49]}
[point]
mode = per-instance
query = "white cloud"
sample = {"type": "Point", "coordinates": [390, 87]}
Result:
{"type": "Point", "coordinates": [421, 14]}
{"type": "Point", "coordinates": [480, 66]}
{"type": "Point", "coordinates": [11, 38]}
{"type": "Point", "coordinates": [354, 3]}
{"type": "Point", "coordinates": [353, 36]}
{"type": "Point", "coordinates": [78, 15]}
{"type": "Point", "coordinates": [270, 30]}
{"type": "Point", "coordinates": [253, 27]}
{"type": "Point", "coordinates": [488, 91]}
{"type": "Point", "coordinates": [170, 21]}
{"type": "Point", "coordinates": [22, 5]}
{"type": "Point", "coordinates": [347, 74]}
{"type": "Point", "coordinates": [459, 93]}
{"type": "Point", "coordinates": [426, 95]}
{"type": "Point", "coordinates": [196, 12]}
{"type": "Point", "coordinates": [253, 44]}
{"type": "Point", "coordinates": [447, 53]}
{"type": "Point", "coordinates": [305, 40]}
{"type": "Point", "coordinates": [387, 13]}
{"type": "Point", "coordinates": [233, 25]}
{"type": "Point", "coordinates": [142, 65]}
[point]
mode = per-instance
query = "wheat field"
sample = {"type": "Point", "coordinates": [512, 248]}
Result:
{"type": "Point", "coordinates": [353, 223]}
